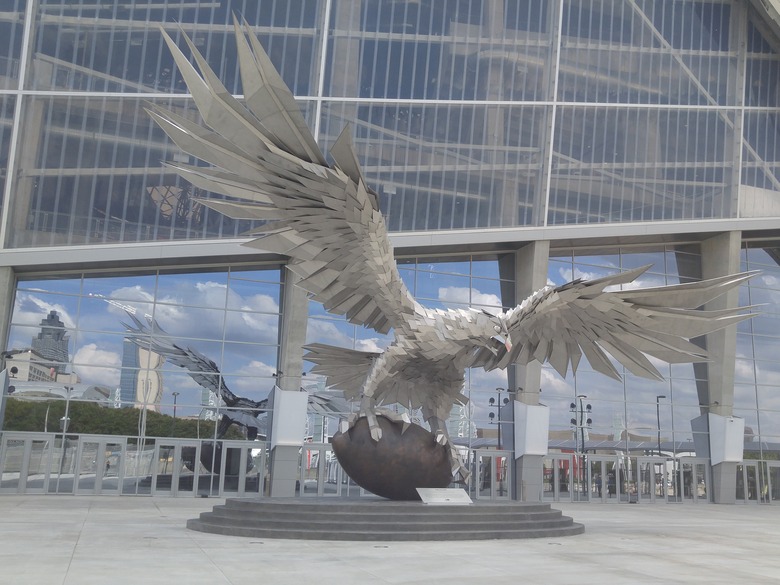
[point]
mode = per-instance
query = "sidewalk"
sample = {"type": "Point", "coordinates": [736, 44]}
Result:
{"type": "Point", "coordinates": [72, 540]}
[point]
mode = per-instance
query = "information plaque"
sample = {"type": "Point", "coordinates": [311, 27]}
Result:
{"type": "Point", "coordinates": [444, 496]}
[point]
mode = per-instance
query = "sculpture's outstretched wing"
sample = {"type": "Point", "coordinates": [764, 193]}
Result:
{"type": "Point", "coordinates": [558, 325]}
{"type": "Point", "coordinates": [326, 219]}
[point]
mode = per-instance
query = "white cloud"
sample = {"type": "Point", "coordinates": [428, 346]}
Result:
{"type": "Point", "coordinates": [465, 295]}
{"type": "Point", "coordinates": [30, 309]}
{"type": "Point", "coordinates": [97, 366]}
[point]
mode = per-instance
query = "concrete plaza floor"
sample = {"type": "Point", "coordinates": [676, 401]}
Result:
{"type": "Point", "coordinates": [79, 540]}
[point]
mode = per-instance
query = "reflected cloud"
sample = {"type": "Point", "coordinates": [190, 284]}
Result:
{"type": "Point", "coordinates": [29, 309]}
{"type": "Point", "coordinates": [97, 366]}
{"type": "Point", "coordinates": [463, 296]}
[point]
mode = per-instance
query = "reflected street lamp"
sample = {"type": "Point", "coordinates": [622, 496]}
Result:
{"type": "Point", "coordinates": [658, 418]}
{"type": "Point", "coordinates": [175, 396]}
{"type": "Point", "coordinates": [497, 404]}
{"type": "Point", "coordinates": [580, 422]}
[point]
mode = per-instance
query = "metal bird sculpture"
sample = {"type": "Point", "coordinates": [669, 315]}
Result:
{"type": "Point", "coordinates": [327, 220]}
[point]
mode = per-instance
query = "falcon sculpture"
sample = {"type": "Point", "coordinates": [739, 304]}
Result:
{"type": "Point", "coordinates": [327, 220]}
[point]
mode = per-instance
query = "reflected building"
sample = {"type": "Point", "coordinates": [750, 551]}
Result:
{"type": "Point", "coordinates": [512, 143]}
{"type": "Point", "coordinates": [140, 383]}
{"type": "Point", "coordinates": [52, 344]}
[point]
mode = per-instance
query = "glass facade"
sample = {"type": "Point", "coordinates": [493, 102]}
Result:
{"type": "Point", "coordinates": [467, 115]}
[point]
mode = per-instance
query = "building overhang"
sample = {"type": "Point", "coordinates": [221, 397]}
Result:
{"type": "Point", "coordinates": [194, 254]}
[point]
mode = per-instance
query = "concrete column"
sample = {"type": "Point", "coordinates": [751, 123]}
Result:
{"type": "Point", "coordinates": [530, 274]}
{"type": "Point", "coordinates": [284, 467]}
{"type": "Point", "coordinates": [719, 257]}
{"type": "Point", "coordinates": [7, 287]}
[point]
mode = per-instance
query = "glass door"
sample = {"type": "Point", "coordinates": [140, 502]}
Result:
{"type": "Point", "coordinates": [601, 478]}
{"type": "Point", "coordinates": [773, 481]}
{"type": "Point", "coordinates": [238, 475]}
{"type": "Point", "coordinates": [176, 467]}
{"type": "Point", "coordinates": [492, 477]}
{"type": "Point", "coordinates": [99, 465]}
{"type": "Point", "coordinates": [556, 470]}
{"type": "Point", "coordinates": [748, 482]}
{"type": "Point", "coordinates": [652, 486]}
{"type": "Point", "coordinates": [25, 463]}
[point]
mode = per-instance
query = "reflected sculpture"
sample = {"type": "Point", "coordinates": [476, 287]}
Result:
{"type": "Point", "coordinates": [233, 410]}
{"type": "Point", "coordinates": [327, 220]}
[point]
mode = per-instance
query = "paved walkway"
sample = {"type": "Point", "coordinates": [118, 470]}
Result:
{"type": "Point", "coordinates": [72, 540]}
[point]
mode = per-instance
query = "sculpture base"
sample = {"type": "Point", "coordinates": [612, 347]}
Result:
{"type": "Point", "coordinates": [396, 465]}
{"type": "Point", "coordinates": [375, 519]}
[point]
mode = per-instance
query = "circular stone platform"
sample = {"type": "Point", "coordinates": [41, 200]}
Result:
{"type": "Point", "coordinates": [382, 520]}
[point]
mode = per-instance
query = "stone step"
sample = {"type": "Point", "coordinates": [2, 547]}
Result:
{"type": "Point", "coordinates": [394, 525]}
{"type": "Point", "coordinates": [379, 506]}
{"type": "Point", "coordinates": [383, 535]}
{"type": "Point", "coordinates": [377, 520]}
{"type": "Point", "coordinates": [368, 516]}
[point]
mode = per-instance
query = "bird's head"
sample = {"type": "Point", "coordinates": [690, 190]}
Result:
{"type": "Point", "coordinates": [500, 330]}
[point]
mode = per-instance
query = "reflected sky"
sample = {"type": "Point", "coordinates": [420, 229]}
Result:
{"type": "Point", "coordinates": [232, 318]}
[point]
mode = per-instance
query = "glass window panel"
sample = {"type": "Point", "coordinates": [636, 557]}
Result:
{"type": "Point", "coordinates": [761, 256]}
{"type": "Point", "coordinates": [478, 380]}
{"type": "Point", "coordinates": [409, 277]}
{"type": "Point", "coordinates": [84, 46]}
{"type": "Point", "coordinates": [11, 31]}
{"type": "Point", "coordinates": [769, 421]}
{"type": "Point", "coordinates": [183, 323]}
{"type": "Point", "coordinates": [92, 173]}
{"type": "Point", "coordinates": [272, 274]}
{"type": "Point", "coordinates": [124, 287]}
{"type": "Point", "coordinates": [682, 417]}
{"type": "Point", "coordinates": [249, 359]}
{"type": "Point", "coordinates": [331, 332]}
{"type": "Point", "coordinates": [98, 314]}
{"type": "Point", "coordinates": [486, 293]}
{"type": "Point", "coordinates": [249, 295]}
{"type": "Point", "coordinates": [433, 164]}
{"type": "Point", "coordinates": [446, 288]}
{"type": "Point", "coordinates": [252, 387]}
{"type": "Point", "coordinates": [168, 382]}
{"type": "Point", "coordinates": [445, 49]}
{"type": "Point", "coordinates": [654, 259]}
{"type": "Point", "coordinates": [597, 386]}
{"type": "Point", "coordinates": [195, 289]}
{"type": "Point", "coordinates": [744, 371]}
{"type": "Point", "coordinates": [32, 307]}
{"type": "Point", "coordinates": [639, 165]}
{"type": "Point", "coordinates": [745, 396]}
{"type": "Point", "coordinates": [487, 267]}
{"type": "Point", "coordinates": [681, 371]}
{"type": "Point", "coordinates": [768, 372]}
{"type": "Point", "coordinates": [62, 285]}
{"type": "Point", "coordinates": [684, 392]}
{"type": "Point", "coordinates": [251, 327]}
{"type": "Point", "coordinates": [462, 267]}
{"type": "Point", "coordinates": [768, 397]}
{"type": "Point", "coordinates": [370, 340]}
{"type": "Point", "coordinates": [6, 123]}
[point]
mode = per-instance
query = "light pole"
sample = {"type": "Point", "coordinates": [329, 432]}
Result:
{"type": "Point", "coordinates": [658, 418]}
{"type": "Point", "coordinates": [497, 403]}
{"type": "Point", "coordinates": [580, 423]}
{"type": "Point", "coordinates": [175, 396]}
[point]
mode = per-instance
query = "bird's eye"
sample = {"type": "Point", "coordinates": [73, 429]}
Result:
{"type": "Point", "coordinates": [497, 328]}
